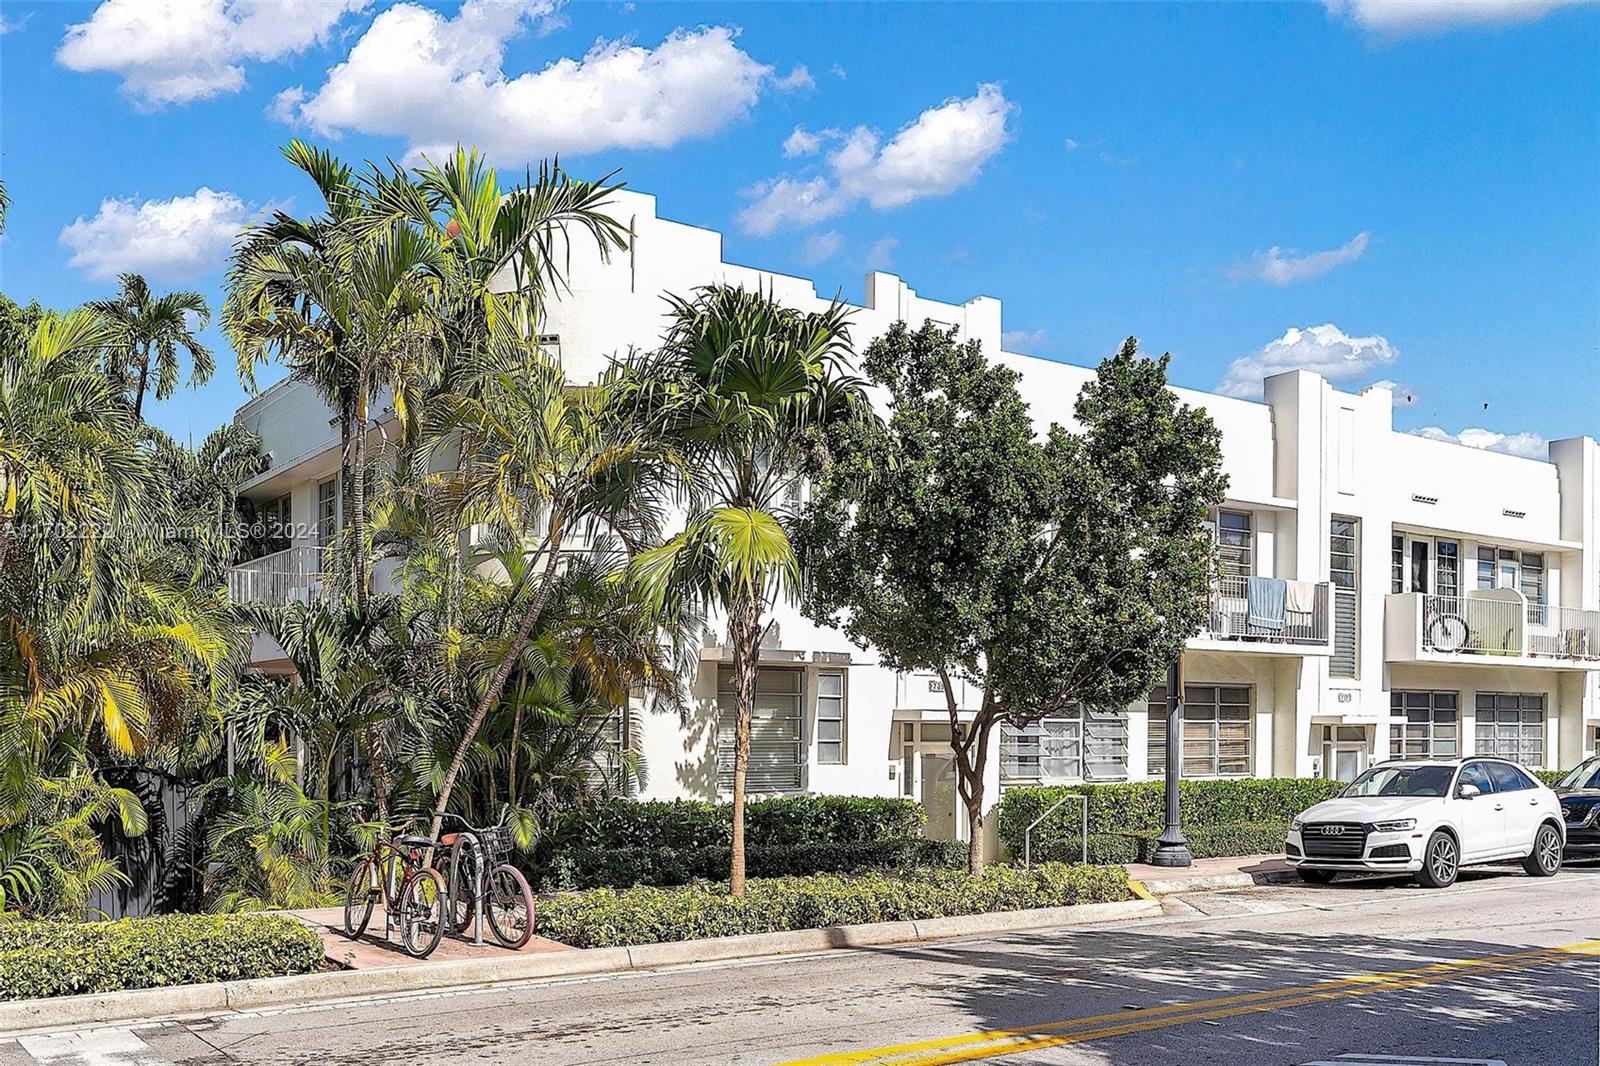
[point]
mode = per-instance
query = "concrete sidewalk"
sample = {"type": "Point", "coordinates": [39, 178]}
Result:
{"type": "Point", "coordinates": [372, 951]}
{"type": "Point", "coordinates": [1207, 875]}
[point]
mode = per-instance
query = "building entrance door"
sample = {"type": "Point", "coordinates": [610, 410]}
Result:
{"type": "Point", "coordinates": [939, 796]}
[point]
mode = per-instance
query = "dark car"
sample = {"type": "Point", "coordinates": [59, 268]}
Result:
{"type": "Point", "coordinates": [1579, 792]}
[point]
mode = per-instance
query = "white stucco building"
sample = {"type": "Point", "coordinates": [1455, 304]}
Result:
{"type": "Point", "coordinates": [1439, 599]}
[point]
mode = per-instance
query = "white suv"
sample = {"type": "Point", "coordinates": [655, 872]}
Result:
{"type": "Point", "coordinates": [1430, 819]}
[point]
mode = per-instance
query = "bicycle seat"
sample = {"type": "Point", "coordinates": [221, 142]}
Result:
{"type": "Point", "coordinates": [414, 841]}
{"type": "Point", "coordinates": [449, 839]}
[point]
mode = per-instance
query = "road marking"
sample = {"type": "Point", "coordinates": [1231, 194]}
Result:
{"type": "Point", "coordinates": [92, 1047]}
{"type": "Point", "coordinates": [1361, 1059]}
{"type": "Point", "coordinates": [985, 1044]}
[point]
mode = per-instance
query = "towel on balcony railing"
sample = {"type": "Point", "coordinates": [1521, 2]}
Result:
{"type": "Point", "coordinates": [1300, 597]}
{"type": "Point", "coordinates": [1266, 598]}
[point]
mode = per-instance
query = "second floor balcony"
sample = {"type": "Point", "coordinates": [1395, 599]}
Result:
{"type": "Point", "coordinates": [1496, 627]}
{"type": "Point", "coordinates": [1269, 615]}
{"type": "Point", "coordinates": [293, 575]}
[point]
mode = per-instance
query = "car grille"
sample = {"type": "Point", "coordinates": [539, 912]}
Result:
{"type": "Point", "coordinates": [1334, 840]}
{"type": "Point", "coordinates": [1576, 813]}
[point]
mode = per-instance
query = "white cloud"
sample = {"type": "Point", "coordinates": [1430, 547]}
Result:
{"type": "Point", "coordinates": [1396, 17]}
{"type": "Point", "coordinates": [821, 246]}
{"type": "Point", "coordinates": [1072, 145]}
{"type": "Point", "coordinates": [1527, 445]}
{"type": "Point", "coordinates": [1278, 266]}
{"type": "Point", "coordinates": [170, 240]}
{"type": "Point", "coordinates": [943, 149]}
{"type": "Point", "coordinates": [15, 24]}
{"type": "Point", "coordinates": [1326, 350]}
{"type": "Point", "coordinates": [175, 51]}
{"type": "Point", "coordinates": [881, 255]}
{"type": "Point", "coordinates": [438, 81]}
{"type": "Point", "coordinates": [803, 142]}
{"type": "Point", "coordinates": [1023, 340]}
{"type": "Point", "coordinates": [838, 72]}
{"type": "Point", "coordinates": [797, 80]}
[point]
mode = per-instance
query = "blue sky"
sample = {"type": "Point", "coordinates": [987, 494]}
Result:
{"type": "Point", "coordinates": [1223, 181]}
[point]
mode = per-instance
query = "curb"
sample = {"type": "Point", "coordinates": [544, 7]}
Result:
{"type": "Point", "coordinates": [1176, 886]}
{"type": "Point", "coordinates": [66, 1012]}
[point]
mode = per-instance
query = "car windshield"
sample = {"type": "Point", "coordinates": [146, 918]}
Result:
{"type": "Point", "coordinates": [1402, 781]}
{"type": "Point", "coordinates": [1585, 775]}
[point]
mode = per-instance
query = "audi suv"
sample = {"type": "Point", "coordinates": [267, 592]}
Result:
{"type": "Point", "coordinates": [1429, 819]}
{"type": "Point", "coordinates": [1579, 793]}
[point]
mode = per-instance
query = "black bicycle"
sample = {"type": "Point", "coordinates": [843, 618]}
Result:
{"type": "Point", "coordinates": [485, 890]}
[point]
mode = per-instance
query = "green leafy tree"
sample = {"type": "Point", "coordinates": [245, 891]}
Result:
{"type": "Point", "coordinates": [1068, 570]}
{"type": "Point", "coordinates": [747, 389]}
{"type": "Point", "coordinates": [150, 332]}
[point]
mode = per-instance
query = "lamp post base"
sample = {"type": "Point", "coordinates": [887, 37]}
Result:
{"type": "Point", "coordinates": [1171, 850]}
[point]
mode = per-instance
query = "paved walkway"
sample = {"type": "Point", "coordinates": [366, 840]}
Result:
{"type": "Point", "coordinates": [372, 950]}
{"type": "Point", "coordinates": [1233, 872]}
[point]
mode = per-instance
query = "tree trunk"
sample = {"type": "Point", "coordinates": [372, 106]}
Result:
{"type": "Point", "coordinates": [516, 746]}
{"type": "Point", "coordinates": [346, 488]}
{"type": "Point", "coordinates": [358, 508]}
{"type": "Point", "coordinates": [138, 396]}
{"type": "Point", "coordinates": [519, 641]}
{"type": "Point", "coordinates": [744, 632]}
{"type": "Point", "coordinates": [970, 744]}
{"type": "Point", "coordinates": [380, 776]}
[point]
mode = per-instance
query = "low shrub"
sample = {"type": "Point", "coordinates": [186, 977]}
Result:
{"type": "Point", "coordinates": [50, 958]}
{"type": "Point", "coordinates": [1549, 777]}
{"type": "Point", "coordinates": [1139, 808]}
{"type": "Point", "coordinates": [605, 917]}
{"type": "Point", "coordinates": [574, 868]}
{"type": "Point", "coordinates": [1251, 838]}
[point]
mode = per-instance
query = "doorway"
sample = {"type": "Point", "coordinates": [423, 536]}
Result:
{"type": "Point", "coordinates": [939, 795]}
{"type": "Point", "coordinates": [1345, 751]}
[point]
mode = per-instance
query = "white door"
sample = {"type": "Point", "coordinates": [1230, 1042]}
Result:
{"type": "Point", "coordinates": [1482, 818]}
{"type": "Point", "coordinates": [1523, 813]}
{"type": "Point", "coordinates": [1347, 763]}
{"type": "Point", "coordinates": [939, 795]}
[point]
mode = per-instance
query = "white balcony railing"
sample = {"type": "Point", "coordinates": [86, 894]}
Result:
{"type": "Point", "coordinates": [1302, 620]}
{"type": "Point", "coordinates": [294, 575]}
{"type": "Point", "coordinates": [1563, 632]}
{"type": "Point", "coordinates": [1488, 623]}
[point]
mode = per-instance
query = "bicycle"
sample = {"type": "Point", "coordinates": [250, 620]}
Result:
{"type": "Point", "coordinates": [415, 897]}
{"type": "Point", "coordinates": [483, 888]}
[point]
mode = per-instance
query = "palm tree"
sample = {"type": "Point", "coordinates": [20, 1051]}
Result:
{"type": "Point", "coordinates": [745, 387]}
{"type": "Point", "coordinates": [150, 331]}
{"type": "Point", "coordinates": [5, 205]}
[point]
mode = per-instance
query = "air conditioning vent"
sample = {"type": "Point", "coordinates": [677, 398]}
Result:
{"type": "Point", "coordinates": [1417, 497]}
{"type": "Point", "coordinates": [1509, 513]}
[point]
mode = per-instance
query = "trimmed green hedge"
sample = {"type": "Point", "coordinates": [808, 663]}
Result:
{"type": "Point", "coordinates": [1217, 815]}
{"type": "Point", "coordinates": [625, 842]}
{"type": "Point", "coordinates": [71, 958]}
{"type": "Point", "coordinates": [1549, 777]}
{"type": "Point", "coordinates": [604, 917]}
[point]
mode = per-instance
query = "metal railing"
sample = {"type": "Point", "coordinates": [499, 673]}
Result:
{"type": "Point", "coordinates": [294, 575]}
{"type": "Point", "coordinates": [1301, 623]}
{"type": "Point", "coordinates": [1083, 826]}
{"type": "Point", "coordinates": [1563, 632]}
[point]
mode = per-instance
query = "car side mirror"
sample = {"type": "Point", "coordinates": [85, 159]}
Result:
{"type": "Point", "coordinates": [1467, 792]}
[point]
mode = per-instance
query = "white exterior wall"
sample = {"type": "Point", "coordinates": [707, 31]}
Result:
{"type": "Point", "coordinates": [1305, 454]}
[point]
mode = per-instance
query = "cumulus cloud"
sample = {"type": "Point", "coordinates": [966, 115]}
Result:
{"type": "Point", "coordinates": [1023, 340]}
{"type": "Point", "coordinates": [170, 240]}
{"type": "Point", "coordinates": [881, 255]}
{"type": "Point", "coordinates": [1397, 17]}
{"type": "Point", "coordinates": [820, 247]}
{"type": "Point", "coordinates": [1326, 350]}
{"type": "Point", "coordinates": [797, 80]}
{"type": "Point", "coordinates": [437, 81]}
{"type": "Point", "coordinates": [1527, 445]}
{"type": "Point", "coordinates": [1277, 266]}
{"type": "Point", "coordinates": [942, 150]}
{"type": "Point", "coordinates": [175, 51]}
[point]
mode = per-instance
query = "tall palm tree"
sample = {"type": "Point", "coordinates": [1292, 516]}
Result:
{"type": "Point", "coordinates": [745, 387]}
{"type": "Point", "coordinates": [5, 205]}
{"type": "Point", "coordinates": [151, 330]}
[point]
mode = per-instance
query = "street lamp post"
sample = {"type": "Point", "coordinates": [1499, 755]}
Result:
{"type": "Point", "coordinates": [1171, 847]}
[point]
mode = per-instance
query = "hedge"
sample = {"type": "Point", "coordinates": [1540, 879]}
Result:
{"type": "Point", "coordinates": [1249, 838]}
{"type": "Point", "coordinates": [1221, 815]}
{"type": "Point", "coordinates": [39, 958]}
{"type": "Point", "coordinates": [627, 842]}
{"type": "Point", "coordinates": [605, 917]}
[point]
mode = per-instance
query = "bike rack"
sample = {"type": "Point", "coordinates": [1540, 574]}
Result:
{"type": "Point", "coordinates": [1083, 825]}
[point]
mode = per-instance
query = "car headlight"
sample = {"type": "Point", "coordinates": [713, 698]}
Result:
{"type": "Point", "coordinates": [1295, 824]}
{"type": "Point", "coordinates": [1397, 825]}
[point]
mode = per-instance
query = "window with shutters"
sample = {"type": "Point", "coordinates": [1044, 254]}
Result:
{"type": "Point", "coordinates": [777, 752]}
{"type": "Point", "coordinates": [1342, 572]}
{"type": "Point", "coordinates": [1070, 747]}
{"type": "Point", "coordinates": [1510, 725]}
{"type": "Point", "coordinates": [1217, 732]}
{"type": "Point", "coordinates": [830, 717]}
{"type": "Point", "coordinates": [1424, 725]}
{"type": "Point", "coordinates": [613, 766]}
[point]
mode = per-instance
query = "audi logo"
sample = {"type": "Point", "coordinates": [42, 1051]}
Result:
{"type": "Point", "coordinates": [1333, 830]}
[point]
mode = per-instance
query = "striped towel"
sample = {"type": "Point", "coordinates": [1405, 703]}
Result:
{"type": "Point", "coordinates": [1265, 596]}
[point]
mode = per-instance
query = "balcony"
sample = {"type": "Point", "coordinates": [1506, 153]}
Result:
{"type": "Point", "coordinates": [1300, 627]}
{"type": "Point", "coordinates": [294, 575]}
{"type": "Point", "coordinates": [1492, 627]}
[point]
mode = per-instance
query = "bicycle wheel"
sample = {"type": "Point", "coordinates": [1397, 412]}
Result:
{"type": "Point", "coordinates": [358, 899]}
{"type": "Point", "coordinates": [461, 875]}
{"type": "Point", "coordinates": [509, 906]}
{"type": "Point", "coordinates": [424, 910]}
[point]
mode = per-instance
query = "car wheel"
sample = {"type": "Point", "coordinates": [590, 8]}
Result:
{"type": "Point", "coordinates": [1545, 859]}
{"type": "Point", "coordinates": [1315, 877]}
{"type": "Point", "coordinates": [1441, 861]}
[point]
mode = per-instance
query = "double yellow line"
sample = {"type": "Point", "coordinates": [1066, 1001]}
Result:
{"type": "Point", "coordinates": [981, 1045]}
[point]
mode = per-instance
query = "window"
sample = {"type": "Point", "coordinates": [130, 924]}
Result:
{"type": "Point", "coordinates": [1511, 725]}
{"type": "Point", "coordinates": [1532, 584]}
{"type": "Point", "coordinates": [1486, 568]}
{"type": "Point", "coordinates": [1342, 552]}
{"type": "Point", "coordinates": [1397, 563]}
{"type": "Point", "coordinates": [1235, 545]}
{"type": "Point", "coordinates": [1342, 573]}
{"type": "Point", "coordinates": [1447, 568]}
{"type": "Point", "coordinates": [1476, 774]}
{"type": "Point", "coordinates": [1419, 566]}
{"type": "Point", "coordinates": [1071, 747]}
{"type": "Point", "coordinates": [1424, 725]}
{"type": "Point", "coordinates": [274, 522]}
{"type": "Point", "coordinates": [776, 755]}
{"type": "Point", "coordinates": [327, 511]}
{"type": "Point", "coordinates": [613, 765]}
{"type": "Point", "coordinates": [1216, 731]}
{"type": "Point", "coordinates": [1508, 778]}
{"type": "Point", "coordinates": [830, 717]}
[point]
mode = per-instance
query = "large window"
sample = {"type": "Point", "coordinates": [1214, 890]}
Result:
{"type": "Point", "coordinates": [1070, 747]}
{"type": "Point", "coordinates": [830, 717]}
{"type": "Point", "coordinates": [1343, 574]}
{"type": "Point", "coordinates": [1342, 552]}
{"type": "Point", "coordinates": [1424, 725]}
{"type": "Point", "coordinates": [1447, 568]}
{"type": "Point", "coordinates": [1235, 544]}
{"type": "Point", "coordinates": [327, 511]}
{"type": "Point", "coordinates": [1216, 731]}
{"type": "Point", "coordinates": [776, 748]}
{"type": "Point", "coordinates": [1511, 725]}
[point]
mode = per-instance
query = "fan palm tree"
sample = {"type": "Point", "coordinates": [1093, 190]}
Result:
{"type": "Point", "coordinates": [151, 330]}
{"type": "Point", "coordinates": [744, 387]}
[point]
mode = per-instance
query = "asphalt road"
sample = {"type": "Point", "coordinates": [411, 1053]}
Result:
{"type": "Point", "coordinates": [1500, 968]}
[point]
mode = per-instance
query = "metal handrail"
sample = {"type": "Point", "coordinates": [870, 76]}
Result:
{"type": "Point", "coordinates": [1083, 805]}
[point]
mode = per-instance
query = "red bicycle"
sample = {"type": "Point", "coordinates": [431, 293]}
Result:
{"type": "Point", "coordinates": [484, 889]}
{"type": "Point", "coordinates": [415, 897]}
